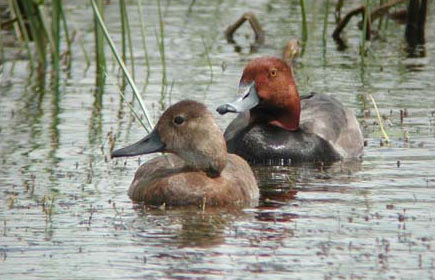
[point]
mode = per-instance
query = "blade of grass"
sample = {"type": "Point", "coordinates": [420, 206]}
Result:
{"type": "Point", "coordinates": [67, 35]}
{"type": "Point", "coordinates": [364, 31]}
{"type": "Point", "coordinates": [123, 37]}
{"type": "Point", "coordinates": [143, 34]}
{"type": "Point", "coordinates": [43, 19]}
{"type": "Point", "coordinates": [208, 61]}
{"type": "Point", "coordinates": [304, 26]}
{"type": "Point", "coordinates": [379, 118]}
{"type": "Point", "coordinates": [325, 23]}
{"type": "Point", "coordinates": [130, 44]}
{"type": "Point", "coordinates": [38, 35]}
{"type": "Point", "coordinates": [121, 63]}
{"type": "Point", "coordinates": [16, 11]}
{"type": "Point", "coordinates": [55, 30]}
{"type": "Point", "coordinates": [128, 103]}
{"type": "Point", "coordinates": [161, 43]}
{"type": "Point", "coordinates": [99, 48]}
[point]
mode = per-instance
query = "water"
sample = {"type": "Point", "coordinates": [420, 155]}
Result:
{"type": "Point", "coordinates": [64, 209]}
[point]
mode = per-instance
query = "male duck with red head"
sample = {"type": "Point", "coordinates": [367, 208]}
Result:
{"type": "Point", "coordinates": [276, 125]}
{"type": "Point", "coordinates": [198, 171]}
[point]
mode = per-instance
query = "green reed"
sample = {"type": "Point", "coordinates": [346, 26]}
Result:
{"type": "Point", "coordinates": [16, 12]}
{"type": "Point", "coordinates": [126, 38]}
{"type": "Point", "coordinates": [100, 22]}
{"type": "Point", "coordinates": [55, 29]}
{"type": "Point", "coordinates": [325, 23]}
{"type": "Point", "coordinates": [364, 31]}
{"type": "Point", "coordinates": [67, 36]}
{"type": "Point", "coordinates": [304, 26]}
{"type": "Point", "coordinates": [208, 61]}
{"type": "Point", "coordinates": [143, 35]}
{"type": "Point", "coordinates": [99, 46]}
{"type": "Point", "coordinates": [161, 43]}
{"type": "Point", "coordinates": [38, 34]}
{"type": "Point", "coordinates": [381, 126]}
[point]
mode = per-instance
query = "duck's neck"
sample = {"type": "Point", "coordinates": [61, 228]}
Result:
{"type": "Point", "coordinates": [210, 157]}
{"type": "Point", "coordinates": [284, 113]}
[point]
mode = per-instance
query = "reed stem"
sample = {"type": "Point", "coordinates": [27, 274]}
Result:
{"type": "Point", "coordinates": [325, 23]}
{"type": "Point", "coordinates": [161, 42]}
{"type": "Point", "coordinates": [210, 67]}
{"type": "Point", "coordinates": [304, 26]}
{"type": "Point", "coordinates": [55, 30]}
{"type": "Point", "coordinates": [143, 34]}
{"type": "Point", "coordinates": [99, 45]}
{"type": "Point", "coordinates": [22, 27]}
{"type": "Point", "coordinates": [121, 63]}
{"type": "Point", "coordinates": [379, 118]}
{"type": "Point", "coordinates": [67, 36]}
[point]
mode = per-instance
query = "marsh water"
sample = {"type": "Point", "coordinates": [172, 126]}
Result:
{"type": "Point", "coordinates": [64, 209]}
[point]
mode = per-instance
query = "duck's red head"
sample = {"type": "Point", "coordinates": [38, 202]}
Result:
{"type": "Point", "coordinates": [269, 92]}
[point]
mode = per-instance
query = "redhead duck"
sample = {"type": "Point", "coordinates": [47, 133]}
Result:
{"type": "Point", "coordinates": [275, 125]}
{"type": "Point", "coordinates": [198, 171]}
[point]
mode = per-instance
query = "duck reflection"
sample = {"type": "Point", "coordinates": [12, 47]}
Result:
{"type": "Point", "coordinates": [187, 226]}
{"type": "Point", "coordinates": [280, 184]}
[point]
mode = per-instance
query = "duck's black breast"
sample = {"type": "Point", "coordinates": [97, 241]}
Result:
{"type": "Point", "coordinates": [264, 143]}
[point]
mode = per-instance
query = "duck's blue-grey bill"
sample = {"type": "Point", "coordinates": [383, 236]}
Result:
{"type": "Point", "coordinates": [150, 144]}
{"type": "Point", "coordinates": [248, 100]}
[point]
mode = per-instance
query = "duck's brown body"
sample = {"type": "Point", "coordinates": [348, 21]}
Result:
{"type": "Point", "coordinates": [166, 179]}
{"type": "Point", "coordinates": [199, 170]}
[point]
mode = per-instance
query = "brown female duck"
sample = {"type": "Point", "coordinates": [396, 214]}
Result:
{"type": "Point", "coordinates": [198, 171]}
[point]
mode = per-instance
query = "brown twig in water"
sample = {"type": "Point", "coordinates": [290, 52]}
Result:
{"type": "Point", "coordinates": [376, 14]}
{"type": "Point", "coordinates": [253, 21]}
{"type": "Point", "coordinates": [382, 10]}
{"type": "Point", "coordinates": [343, 22]}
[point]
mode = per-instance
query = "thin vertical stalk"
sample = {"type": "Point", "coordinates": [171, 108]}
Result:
{"type": "Point", "coordinates": [130, 43]}
{"type": "Point", "coordinates": [123, 38]}
{"type": "Point", "coordinates": [100, 21]}
{"type": "Point", "coordinates": [379, 118]}
{"type": "Point", "coordinates": [143, 34]}
{"type": "Point", "coordinates": [16, 11]}
{"type": "Point", "coordinates": [162, 54]}
{"type": "Point", "coordinates": [99, 47]}
{"type": "Point", "coordinates": [67, 38]}
{"type": "Point", "coordinates": [55, 30]}
{"type": "Point", "coordinates": [208, 61]}
{"type": "Point", "coordinates": [2, 55]}
{"type": "Point", "coordinates": [325, 23]}
{"type": "Point", "coordinates": [364, 31]}
{"type": "Point", "coordinates": [304, 26]}
{"type": "Point", "coordinates": [16, 26]}
{"type": "Point", "coordinates": [36, 28]}
{"type": "Point", "coordinates": [43, 19]}
{"type": "Point", "coordinates": [126, 37]}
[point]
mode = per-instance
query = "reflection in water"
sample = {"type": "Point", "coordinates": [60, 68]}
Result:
{"type": "Point", "coordinates": [186, 226]}
{"type": "Point", "coordinates": [414, 33]}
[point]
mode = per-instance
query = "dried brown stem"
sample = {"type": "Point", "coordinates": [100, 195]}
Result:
{"type": "Point", "coordinates": [253, 21]}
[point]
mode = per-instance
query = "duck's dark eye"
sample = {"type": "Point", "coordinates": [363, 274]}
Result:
{"type": "Point", "coordinates": [178, 120]}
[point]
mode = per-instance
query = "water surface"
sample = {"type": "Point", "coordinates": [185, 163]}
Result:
{"type": "Point", "coordinates": [64, 209]}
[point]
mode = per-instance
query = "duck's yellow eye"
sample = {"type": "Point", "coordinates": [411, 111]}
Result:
{"type": "Point", "coordinates": [273, 72]}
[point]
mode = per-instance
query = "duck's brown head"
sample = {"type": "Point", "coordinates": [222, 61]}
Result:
{"type": "Point", "coordinates": [188, 130]}
{"type": "Point", "coordinates": [269, 92]}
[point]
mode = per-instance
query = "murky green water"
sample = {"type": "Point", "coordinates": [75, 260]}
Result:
{"type": "Point", "coordinates": [64, 209]}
